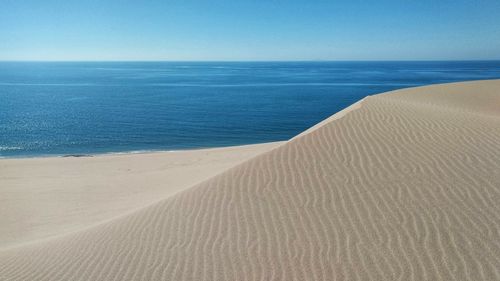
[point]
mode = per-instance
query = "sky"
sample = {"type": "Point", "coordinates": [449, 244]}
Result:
{"type": "Point", "coordinates": [243, 30]}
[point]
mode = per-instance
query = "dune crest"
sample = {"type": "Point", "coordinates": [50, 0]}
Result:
{"type": "Point", "coordinates": [404, 187]}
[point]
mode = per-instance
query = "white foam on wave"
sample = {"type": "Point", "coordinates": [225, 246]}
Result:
{"type": "Point", "coordinates": [6, 148]}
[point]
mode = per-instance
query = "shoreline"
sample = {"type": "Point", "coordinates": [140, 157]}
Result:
{"type": "Point", "coordinates": [130, 152]}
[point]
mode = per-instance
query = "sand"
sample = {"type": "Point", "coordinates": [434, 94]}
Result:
{"type": "Point", "coordinates": [44, 197]}
{"type": "Point", "coordinates": [402, 186]}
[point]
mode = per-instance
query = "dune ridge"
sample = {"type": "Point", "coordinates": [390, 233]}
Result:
{"type": "Point", "coordinates": [405, 187]}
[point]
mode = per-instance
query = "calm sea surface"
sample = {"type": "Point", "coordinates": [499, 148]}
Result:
{"type": "Point", "coordinates": [49, 108]}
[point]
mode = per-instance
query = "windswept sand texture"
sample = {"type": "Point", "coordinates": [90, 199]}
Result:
{"type": "Point", "coordinates": [44, 197]}
{"type": "Point", "coordinates": [405, 186]}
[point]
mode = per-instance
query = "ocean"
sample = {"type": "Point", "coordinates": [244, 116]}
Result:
{"type": "Point", "coordinates": [80, 108]}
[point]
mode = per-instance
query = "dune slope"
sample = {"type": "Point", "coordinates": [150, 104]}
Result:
{"type": "Point", "coordinates": [403, 187]}
{"type": "Point", "coordinates": [50, 196]}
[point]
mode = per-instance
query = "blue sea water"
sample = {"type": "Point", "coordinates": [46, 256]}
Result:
{"type": "Point", "coordinates": [59, 108]}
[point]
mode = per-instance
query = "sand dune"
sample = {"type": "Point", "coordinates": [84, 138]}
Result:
{"type": "Point", "coordinates": [403, 186]}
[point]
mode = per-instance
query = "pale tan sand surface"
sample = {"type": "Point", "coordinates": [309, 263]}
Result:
{"type": "Point", "coordinates": [405, 186]}
{"type": "Point", "coordinates": [42, 197]}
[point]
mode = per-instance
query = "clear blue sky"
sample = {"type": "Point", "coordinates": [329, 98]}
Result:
{"type": "Point", "coordinates": [250, 30]}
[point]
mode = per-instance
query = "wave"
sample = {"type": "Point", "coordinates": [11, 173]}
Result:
{"type": "Point", "coordinates": [45, 84]}
{"type": "Point", "coordinates": [278, 84]}
{"type": "Point", "coordinates": [7, 148]}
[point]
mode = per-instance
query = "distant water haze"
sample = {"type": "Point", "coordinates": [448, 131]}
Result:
{"type": "Point", "coordinates": [59, 108]}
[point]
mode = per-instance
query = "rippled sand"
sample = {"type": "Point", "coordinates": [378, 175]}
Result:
{"type": "Point", "coordinates": [401, 186]}
{"type": "Point", "coordinates": [45, 197]}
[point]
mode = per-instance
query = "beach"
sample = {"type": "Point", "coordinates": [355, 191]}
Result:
{"type": "Point", "coordinates": [402, 185]}
{"type": "Point", "coordinates": [49, 196]}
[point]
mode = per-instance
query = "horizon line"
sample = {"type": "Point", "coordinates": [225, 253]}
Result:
{"type": "Point", "coordinates": [298, 60]}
